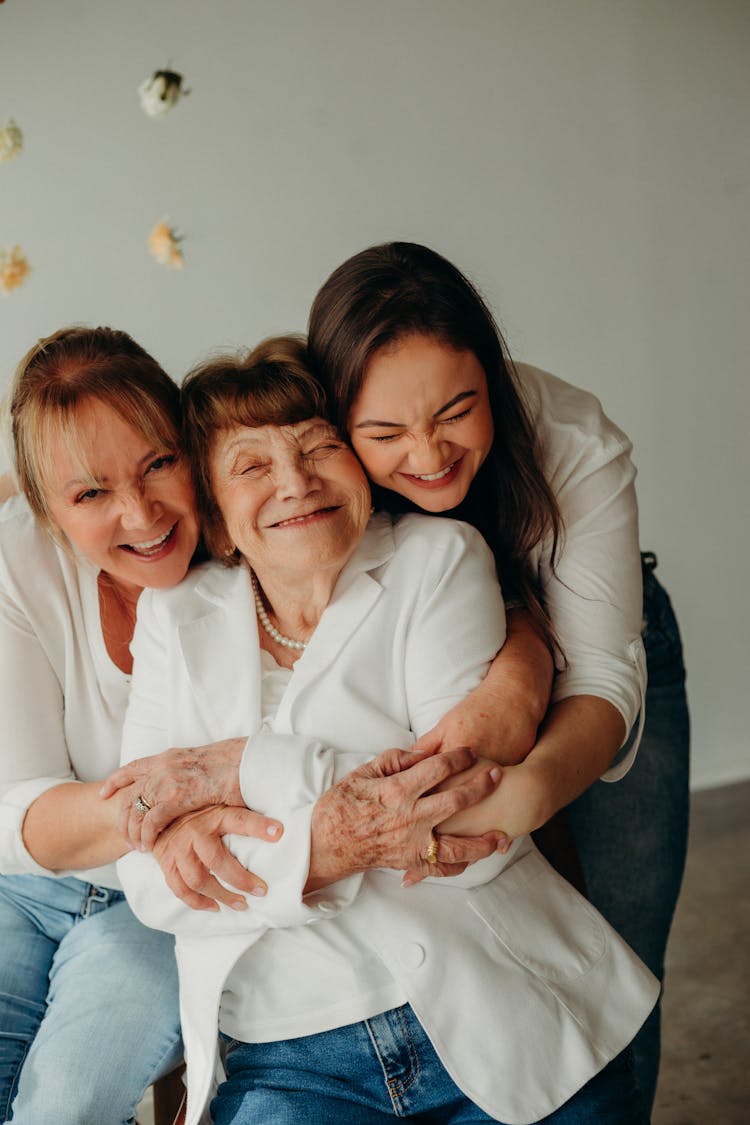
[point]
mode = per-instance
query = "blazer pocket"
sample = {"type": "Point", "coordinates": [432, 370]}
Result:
{"type": "Point", "coordinates": [541, 920]}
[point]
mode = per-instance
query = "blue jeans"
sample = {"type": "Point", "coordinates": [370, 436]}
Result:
{"type": "Point", "coordinates": [379, 1069]}
{"type": "Point", "coordinates": [88, 1003]}
{"type": "Point", "coordinates": [632, 836]}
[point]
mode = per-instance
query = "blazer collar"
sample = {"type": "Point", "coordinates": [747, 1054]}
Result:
{"type": "Point", "coordinates": [219, 639]}
{"type": "Point", "coordinates": [219, 643]}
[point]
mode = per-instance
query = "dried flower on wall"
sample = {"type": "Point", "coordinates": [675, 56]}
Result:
{"type": "Point", "coordinates": [164, 245]}
{"type": "Point", "coordinates": [11, 141]}
{"type": "Point", "coordinates": [160, 92]}
{"type": "Point", "coordinates": [14, 269]}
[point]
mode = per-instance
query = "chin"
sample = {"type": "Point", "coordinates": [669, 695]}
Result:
{"type": "Point", "coordinates": [438, 501]}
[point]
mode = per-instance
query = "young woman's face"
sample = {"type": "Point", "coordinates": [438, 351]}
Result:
{"type": "Point", "coordinates": [134, 516]}
{"type": "Point", "coordinates": [421, 424]}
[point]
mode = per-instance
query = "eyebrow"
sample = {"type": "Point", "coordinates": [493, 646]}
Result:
{"type": "Point", "coordinates": [76, 481]}
{"type": "Point", "coordinates": [402, 425]}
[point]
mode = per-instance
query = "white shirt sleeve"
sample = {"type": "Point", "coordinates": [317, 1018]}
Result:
{"type": "Point", "coordinates": [594, 596]}
{"type": "Point", "coordinates": [35, 755]}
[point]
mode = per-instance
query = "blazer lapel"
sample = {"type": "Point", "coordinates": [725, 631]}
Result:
{"type": "Point", "coordinates": [354, 595]}
{"type": "Point", "coordinates": [219, 643]}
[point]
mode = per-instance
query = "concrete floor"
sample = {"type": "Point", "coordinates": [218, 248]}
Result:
{"type": "Point", "coordinates": [705, 1074]}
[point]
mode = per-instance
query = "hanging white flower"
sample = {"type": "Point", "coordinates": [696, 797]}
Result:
{"type": "Point", "coordinates": [11, 141]}
{"type": "Point", "coordinates": [160, 92]}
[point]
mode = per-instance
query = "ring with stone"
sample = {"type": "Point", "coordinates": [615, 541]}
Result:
{"type": "Point", "coordinates": [141, 805]}
{"type": "Point", "coordinates": [432, 851]}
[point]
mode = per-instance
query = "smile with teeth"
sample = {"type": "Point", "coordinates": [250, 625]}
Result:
{"type": "Point", "coordinates": [305, 516]}
{"type": "Point", "coordinates": [152, 547]}
{"type": "Point", "coordinates": [434, 476]}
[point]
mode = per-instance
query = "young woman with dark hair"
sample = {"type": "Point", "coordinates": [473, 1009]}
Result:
{"type": "Point", "coordinates": [418, 375]}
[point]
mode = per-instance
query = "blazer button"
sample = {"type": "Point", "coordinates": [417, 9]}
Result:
{"type": "Point", "coordinates": [412, 955]}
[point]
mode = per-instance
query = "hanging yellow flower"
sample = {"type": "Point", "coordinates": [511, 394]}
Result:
{"type": "Point", "coordinates": [164, 245]}
{"type": "Point", "coordinates": [14, 269]}
{"type": "Point", "coordinates": [11, 141]}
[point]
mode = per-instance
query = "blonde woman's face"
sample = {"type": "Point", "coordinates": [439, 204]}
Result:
{"type": "Point", "coordinates": [422, 424]}
{"type": "Point", "coordinates": [128, 508]}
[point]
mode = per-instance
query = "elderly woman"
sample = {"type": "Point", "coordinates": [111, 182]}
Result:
{"type": "Point", "coordinates": [327, 636]}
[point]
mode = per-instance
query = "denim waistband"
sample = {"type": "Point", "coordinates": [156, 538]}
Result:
{"type": "Point", "coordinates": [661, 633]}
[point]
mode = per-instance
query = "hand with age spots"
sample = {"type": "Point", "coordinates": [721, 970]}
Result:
{"type": "Point", "coordinates": [176, 782]}
{"type": "Point", "coordinates": [382, 814]}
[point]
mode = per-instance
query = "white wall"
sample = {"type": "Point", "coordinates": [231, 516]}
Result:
{"type": "Point", "coordinates": [586, 161]}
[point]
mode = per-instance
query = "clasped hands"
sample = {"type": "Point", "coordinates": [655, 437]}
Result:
{"type": "Point", "coordinates": [382, 814]}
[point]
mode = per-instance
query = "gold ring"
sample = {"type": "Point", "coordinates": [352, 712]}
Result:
{"type": "Point", "coordinates": [432, 851]}
{"type": "Point", "coordinates": [141, 805]}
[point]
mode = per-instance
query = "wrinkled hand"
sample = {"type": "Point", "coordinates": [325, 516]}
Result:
{"type": "Point", "coordinates": [383, 813]}
{"type": "Point", "coordinates": [193, 857]}
{"type": "Point", "coordinates": [173, 783]}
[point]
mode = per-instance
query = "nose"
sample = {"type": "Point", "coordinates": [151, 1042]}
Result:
{"type": "Point", "coordinates": [296, 479]}
{"type": "Point", "coordinates": [139, 510]}
{"type": "Point", "coordinates": [428, 453]}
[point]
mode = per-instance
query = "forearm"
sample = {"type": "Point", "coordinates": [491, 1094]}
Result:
{"type": "Point", "coordinates": [70, 828]}
{"type": "Point", "coordinates": [500, 718]}
{"type": "Point", "coordinates": [518, 687]}
{"type": "Point", "coordinates": [578, 741]}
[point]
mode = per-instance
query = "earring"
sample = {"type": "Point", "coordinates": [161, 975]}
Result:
{"type": "Point", "coordinates": [230, 551]}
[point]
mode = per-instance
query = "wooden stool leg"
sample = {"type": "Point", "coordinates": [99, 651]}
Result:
{"type": "Point", "coordinates": [169, 1098]}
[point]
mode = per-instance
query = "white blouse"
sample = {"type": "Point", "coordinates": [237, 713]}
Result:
{"type": "Point", "coordinates": [62, 700]}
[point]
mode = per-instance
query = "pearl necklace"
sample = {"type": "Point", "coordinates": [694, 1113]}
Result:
{"type": "Point", "coordinates": [272, 631]}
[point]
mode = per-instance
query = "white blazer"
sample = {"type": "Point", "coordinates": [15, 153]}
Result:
{"type": "Point", "coordinates": [523, 988]}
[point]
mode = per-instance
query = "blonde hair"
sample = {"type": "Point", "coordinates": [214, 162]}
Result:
{"type": "Point", "coordinates": [268, 386]}
{"type": "Point", "coordinates": [68, 369]}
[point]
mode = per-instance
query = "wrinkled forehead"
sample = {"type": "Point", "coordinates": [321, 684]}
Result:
{"type": "Point", "coordinates": [292, 436]}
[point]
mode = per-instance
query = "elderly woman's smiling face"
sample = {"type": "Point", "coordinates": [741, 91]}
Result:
{"type": "Point", "coordinates": [294, 498]}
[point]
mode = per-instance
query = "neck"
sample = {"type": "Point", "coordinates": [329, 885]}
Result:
{"type": "Point", "coordinates": [295, 603]}
{"type": "Point", "coordinates": [125, 592]}
{"type": "Point", "coordinates": [117, 611]}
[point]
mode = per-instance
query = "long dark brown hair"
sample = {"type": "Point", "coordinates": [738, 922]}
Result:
{"type": "Point", "coordinates": [399, 289]}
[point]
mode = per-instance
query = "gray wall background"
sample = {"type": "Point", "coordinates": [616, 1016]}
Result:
{"type": "Point", "coordinates": [585, 161]}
